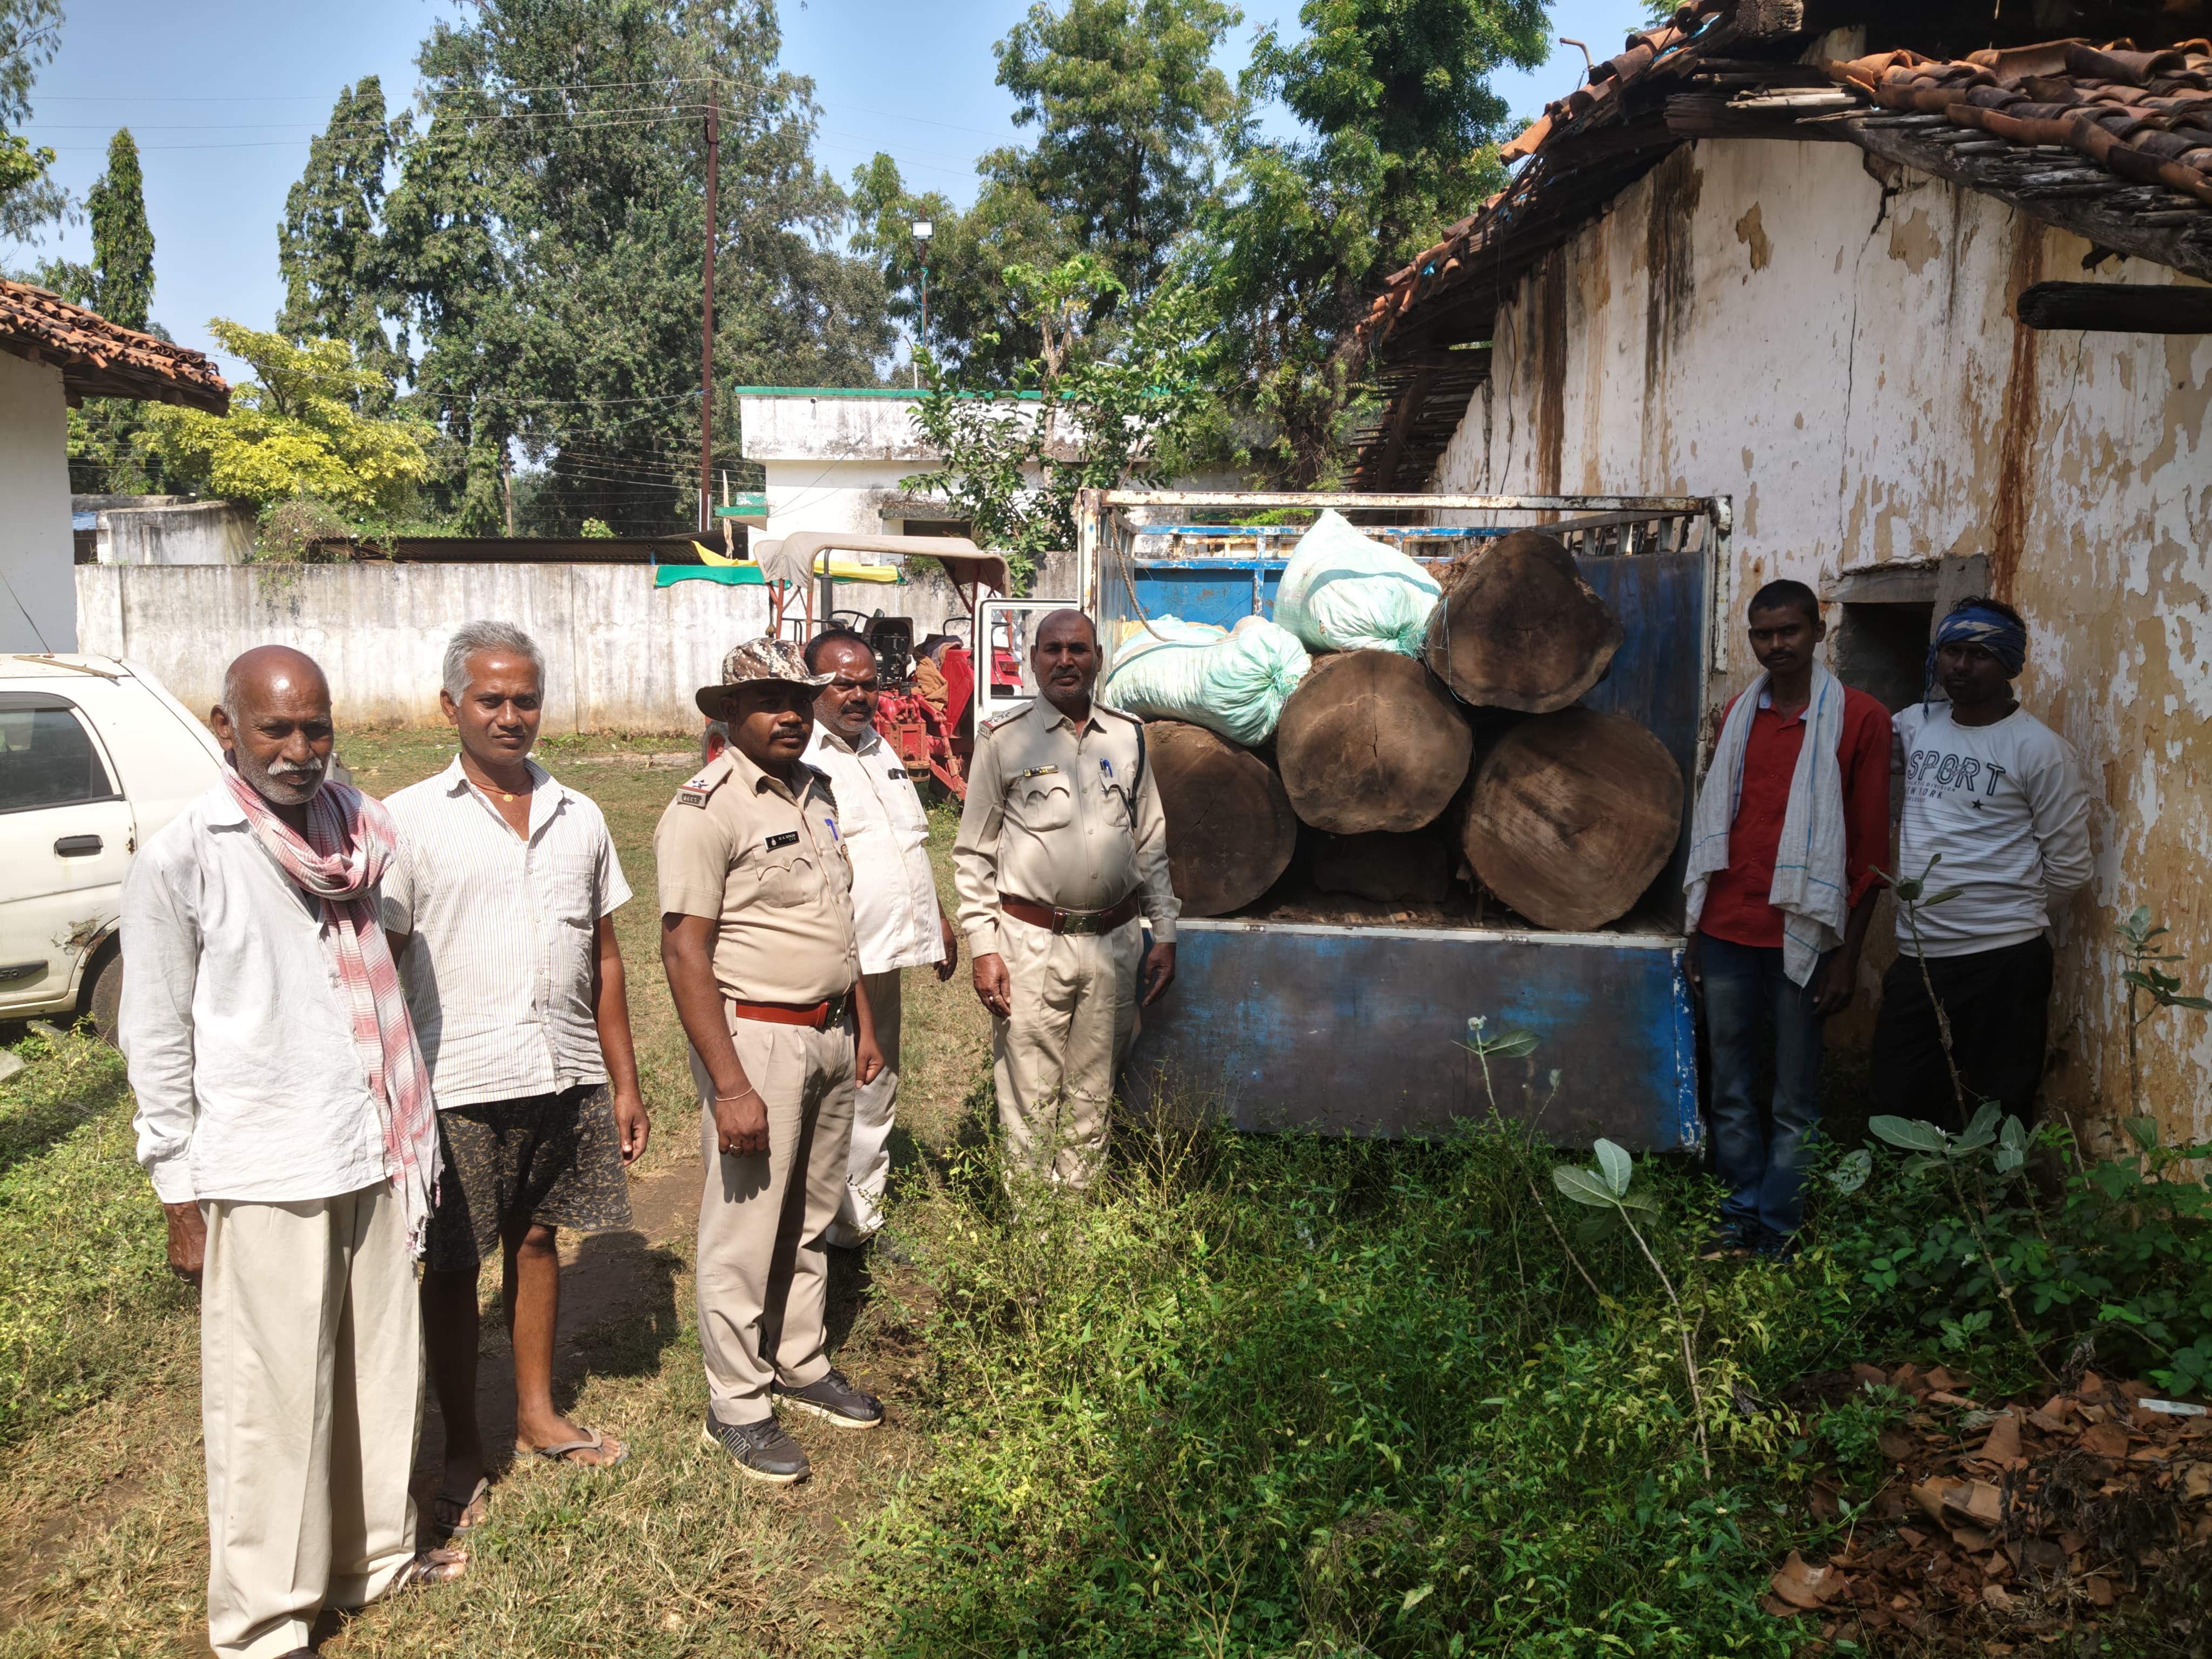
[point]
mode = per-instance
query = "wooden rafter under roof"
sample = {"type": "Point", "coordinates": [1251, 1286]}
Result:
{"type": "Point", "coordinates": [100, 359]}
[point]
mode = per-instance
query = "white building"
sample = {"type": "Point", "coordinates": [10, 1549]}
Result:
{"type": "Point", "coordinates": [836, 459]}
{"type": "Point", "coordinates": [1939, 326]}
{"type": "Point", "coordinates": [52, 355]}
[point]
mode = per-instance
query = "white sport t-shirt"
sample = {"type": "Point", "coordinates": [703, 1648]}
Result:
{"type": "Point", "coordinates": [2006, 808]}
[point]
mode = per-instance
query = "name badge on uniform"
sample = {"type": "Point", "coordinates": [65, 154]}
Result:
{"type": "Point", "coordinates": [788, 838]}
{"type": "Point", "coordinates": [897, 773]}
{"type": "Point", "coordinates": [1042, 772]}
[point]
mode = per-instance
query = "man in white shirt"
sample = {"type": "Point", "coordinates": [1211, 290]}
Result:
{"type": "Point", "coordinates": [286, 1122]}
{"type": "Point", "coordinates": [1998, 798]}
{"type": "Point", "coordinates": [894, 897]}
{"type": "Point", "coordinates": [500, 910]}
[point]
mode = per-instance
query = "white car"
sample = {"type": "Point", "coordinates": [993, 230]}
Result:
{"type": "Point", "coordinates": [95, 756]}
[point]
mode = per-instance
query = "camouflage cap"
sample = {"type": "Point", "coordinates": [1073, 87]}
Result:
{"type": "Point", "coordinates": [755, 661]}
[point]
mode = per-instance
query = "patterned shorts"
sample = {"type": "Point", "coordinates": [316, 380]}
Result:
{"type": "Point", "coordinates": [554, 1159]}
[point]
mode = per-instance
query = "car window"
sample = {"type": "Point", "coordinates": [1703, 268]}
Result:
{"type": "Point", "coordinates": [47, 758]}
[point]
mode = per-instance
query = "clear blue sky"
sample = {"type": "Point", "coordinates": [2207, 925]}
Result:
{"type": "Point", "coordinates": [223, 95]}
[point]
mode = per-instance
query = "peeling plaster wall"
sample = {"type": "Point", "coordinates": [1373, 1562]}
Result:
{"type": "Point", "coordinates": [1774, 321]}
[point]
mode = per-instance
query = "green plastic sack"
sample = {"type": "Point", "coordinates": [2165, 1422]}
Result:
{"type": "Point", "coordinates": [1342, 592]}
{"type": "Point", "coordinates": [1234, 683]}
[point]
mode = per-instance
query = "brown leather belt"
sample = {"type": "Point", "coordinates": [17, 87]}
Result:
{"type": "Point", "coordinates": [820, 1015]}
{"type": "Point", "coordinates": [1068, 921]}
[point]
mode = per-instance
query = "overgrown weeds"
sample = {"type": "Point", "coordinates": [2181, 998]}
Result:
{"type": "Point", "coordinates": [1288, 1394]}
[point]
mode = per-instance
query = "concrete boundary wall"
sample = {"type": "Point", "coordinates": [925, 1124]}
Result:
{"type": "Point", "coordinates": [620, 654]}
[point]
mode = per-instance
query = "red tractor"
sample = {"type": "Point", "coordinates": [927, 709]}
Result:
{"type": "Point", "coordinates": [927, 738]}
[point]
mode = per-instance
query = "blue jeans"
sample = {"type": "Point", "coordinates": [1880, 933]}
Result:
{"type": "Point", "coordinates": [1764, 1174]}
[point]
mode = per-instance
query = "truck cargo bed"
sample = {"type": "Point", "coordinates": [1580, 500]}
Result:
{"type": "Point", "coordinates": [1316, 1011]}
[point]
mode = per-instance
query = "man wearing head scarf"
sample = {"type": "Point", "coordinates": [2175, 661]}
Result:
{"type": "Point", "coordinates": [285, 1116]}
{"type": "Point", "coordinates": [1997, 820]}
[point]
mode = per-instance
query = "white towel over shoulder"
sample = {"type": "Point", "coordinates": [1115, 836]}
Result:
{"type": "Point", "coordinates": [1809, 887]}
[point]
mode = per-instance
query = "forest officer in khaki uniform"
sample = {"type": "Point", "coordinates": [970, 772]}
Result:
{"type": "Point", "coordinates": [1062, 846]}
{"type": "Point", "coordinates": [756, 935]}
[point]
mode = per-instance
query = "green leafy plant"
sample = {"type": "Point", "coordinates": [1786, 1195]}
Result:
{"type": "Point", "coordinates": [293, 430]}
{"type": "Point", "coordinates": [1853, 1426]}
{"type": "Point", "coordinates": [2122, 1259]}
{"type": "Point", "coordinates": [1518, 1045]}
{"type": "Point", "coordinates": [1606, 1187]}
{"type": "Point", "coordinates": [1938, 1150]}
{"type": "Point", "coordinates": [2146, 978]}
{"type": "Point", "coordinates": [1100, 408]}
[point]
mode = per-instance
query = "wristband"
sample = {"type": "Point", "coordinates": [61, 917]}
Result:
{"type": "Point", "coordinates": [740, 1095]}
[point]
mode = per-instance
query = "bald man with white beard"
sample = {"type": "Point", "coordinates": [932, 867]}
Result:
{"type": "Point", "coordinates": [284, 1115]}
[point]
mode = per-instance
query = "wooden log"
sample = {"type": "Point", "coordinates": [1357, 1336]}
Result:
{"type": "Point", "coordinates": [1230, 833]}
{"type": "Point", "coordinates": [1518, 627]}
{"type": "Point", "coordinates": [1370, 741]}
{"type": "Point", "coordinates": [1410, 868]}
{"type": "Point", "coordinates": [1572, 816]}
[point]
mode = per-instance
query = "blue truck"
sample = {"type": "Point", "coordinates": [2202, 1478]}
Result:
{"type": "Point", "coordinates": [1362, 1028]}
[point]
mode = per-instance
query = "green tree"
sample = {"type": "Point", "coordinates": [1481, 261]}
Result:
{"type": "Point", "coordinates": [328, 247]}
{"type": "Point", "coordinates": [105, 451]}
{"type": "Point", "coordinates": [1105, 408]}
{"type": "Point", "coordinates": [295, 429]}
{"type": "Point", "coordinates": [1128, 109]}
{"type": "Point", "coordinates": [978, 328]}
{"type": "Point", "coordinates": [544, 248]}
{"type": "Point", "coordinates": [30, 33]}
{"type": "Point", "coordinates": [1402, 132]}
{"type": "Point", "coordinates": [122, 241]}
{"type": "Point", "coordinates": [1128, 104]}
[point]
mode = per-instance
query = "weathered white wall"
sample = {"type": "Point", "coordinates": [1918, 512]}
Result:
{"type": "Point", "coordinates": [621, 654]}
{"type": "Point", "coordinates": [1767, 319]}
{"type": "Point", "coordinates": [175, 532]}
{"type": "Point", "coordinates": [38, 550]}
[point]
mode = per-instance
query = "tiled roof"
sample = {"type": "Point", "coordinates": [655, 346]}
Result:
{"type": "Point", "coordinates": [100, 359]}
{"type": "Point", "coordinates": [2145, 117]}
{"type": "Point", "coordinates": [2110, 141]}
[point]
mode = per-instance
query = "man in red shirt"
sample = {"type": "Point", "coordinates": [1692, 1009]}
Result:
{"type": "Point", "coordinates": [1737, 957]}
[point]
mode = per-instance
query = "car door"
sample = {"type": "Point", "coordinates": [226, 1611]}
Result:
{"type": "Point", "coordinates": [66, 837]}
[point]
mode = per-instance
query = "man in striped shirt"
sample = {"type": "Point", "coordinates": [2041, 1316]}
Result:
{"type": "Point", "coordinates": [501, 909]}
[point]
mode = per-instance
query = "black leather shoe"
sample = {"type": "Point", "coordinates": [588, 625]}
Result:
{"type": "Point", "coordinates": [763, 1451]}
{"type": "Point", "coordinates": [831, 1398]}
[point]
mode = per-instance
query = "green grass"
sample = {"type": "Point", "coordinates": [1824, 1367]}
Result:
{"type": "Point", "coordinates": [1256, 1395]}
{"type": "Point", "coordinates": [1293, 1395]}
{"type": "Point", "coordinates": [86, 1303]}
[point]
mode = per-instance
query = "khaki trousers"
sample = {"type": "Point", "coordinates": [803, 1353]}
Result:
{"type": "Point", "coordinates": [311, 1398]}
{"type": "Point", "coordinates": [1073, 1007]}
{"type": "Point", "coordinates": [868, 1166]}
{"type": "Point", "coordinates": [763, 1275]}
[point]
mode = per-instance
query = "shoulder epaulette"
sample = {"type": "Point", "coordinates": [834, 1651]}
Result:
{"type": "Point", "coordinates": [697, 789]}
{"type": "Point", "coordinates": [986, 727]}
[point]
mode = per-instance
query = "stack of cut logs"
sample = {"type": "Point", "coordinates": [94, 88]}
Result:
{"type": "Point", "coordinates": [1569, 814]}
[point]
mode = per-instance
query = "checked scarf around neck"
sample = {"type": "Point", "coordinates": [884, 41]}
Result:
{"type": "Point", "coordinates": [349, 844]}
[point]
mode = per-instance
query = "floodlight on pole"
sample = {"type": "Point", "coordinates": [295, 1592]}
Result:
{"type": "Point", "coordinates": [923, 230]}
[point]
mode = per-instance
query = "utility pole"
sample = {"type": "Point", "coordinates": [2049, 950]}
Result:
{"type": "Point", "coordinates": [923, 230]}
{"type": "Point", "coordinates": [706, 332]}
